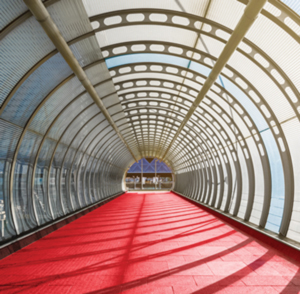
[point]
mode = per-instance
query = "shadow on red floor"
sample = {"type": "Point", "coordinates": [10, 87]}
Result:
{"type": "Point", "coordinates": [148, 243]}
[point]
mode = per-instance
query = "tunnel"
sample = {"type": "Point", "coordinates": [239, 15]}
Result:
{"type": "Point", "coordinates": [90, 87]}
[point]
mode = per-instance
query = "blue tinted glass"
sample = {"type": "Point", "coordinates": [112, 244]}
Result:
{"type": "Point", "coordinates": [252, 110]}
{"type": "Point", "coordinates": [145, 57]}
{"type": "Point", "coordinates": [149, 167]}
{"type": "Point", "coordinates": [293, 4]}
{"type": "Point", "coordinates": [277, 201]}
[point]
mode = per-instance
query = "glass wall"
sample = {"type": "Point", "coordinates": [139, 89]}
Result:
{"type": "Point", "coordinates": [149, 174]}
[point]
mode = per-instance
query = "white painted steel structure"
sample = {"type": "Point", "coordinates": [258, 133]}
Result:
{"type": "Point", "coordinates": [207, 86]}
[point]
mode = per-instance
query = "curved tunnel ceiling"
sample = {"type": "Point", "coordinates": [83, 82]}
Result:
{"type": "Point", "coordinates": [236, 150]}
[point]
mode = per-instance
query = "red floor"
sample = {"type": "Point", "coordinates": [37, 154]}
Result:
{"type": "Point", "coordinates": [148, 243]}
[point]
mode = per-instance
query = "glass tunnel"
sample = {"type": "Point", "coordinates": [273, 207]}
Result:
{"type": "Point", "coordinates": [211, 87]}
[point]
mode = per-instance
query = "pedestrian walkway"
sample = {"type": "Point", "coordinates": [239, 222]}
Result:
{"type": "Point", "coordinates": [148, 243]}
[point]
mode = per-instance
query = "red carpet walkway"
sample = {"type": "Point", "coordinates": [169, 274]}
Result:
{"type": "Point", "coordinates": [148, 243]}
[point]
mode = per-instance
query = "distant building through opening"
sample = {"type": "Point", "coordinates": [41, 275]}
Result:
{"type": "Point", "coordinates": [149, 173]}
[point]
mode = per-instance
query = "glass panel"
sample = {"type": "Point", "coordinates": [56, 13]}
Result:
{"type": "Point", "coordinates": [291, 130]}
{"type": "Point", "coordinates": [268, 39]}
{"type": "Point", "coordinates": [64, 120]}
{"type": "Point", "coordinates": [86, 130]}
{"type": "Point", "coordinates": [293, 4]}
{"type": "Point", "coordinates": [78, 123]}
{"type": "Point", "coordinates": [41, 193]}
{"type": "Point", "coordinates": [85, 200]}
{"type": "Point", "coordinates": [10, 10]}
{"type": "Point", "coordinates": [70, 18]}
{"type": "Point", "coordinates": [276, 209]}
{"type": "Point", "coordinates": [93, 138]}
{"type": "Point", "coordinates": [75, 195]}
{"type": "Point", "coordinates": [9, 136]}
{"type": "Point", "coordinates": [15, 47]}
{"type": "Point", "coordinates": [55, 105]}
{"type": "Point", "coordinates": [60, 179]}
{"type": "Point", "coordinates": [245, 179]}
{"type": "Point", "coordinates": [86, 51]}
{"type": "Point", "coordinates": [259, 182]}
{"type": "Point", "coordinates": [35, 89]}
{"type": "Point", "coordinates": [266, 87]}
{"type": "Point", "coordinates": [55, 200]}
{"type": "Point", "coordinates": [145, 57]}
{"type": "Point", "coordinates": [22, 193]}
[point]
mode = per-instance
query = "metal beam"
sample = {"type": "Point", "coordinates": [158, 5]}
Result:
{"type": "Point", "coordinates": [43, 17]}
{"type": "Point", "coordinates": [251, 12]}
